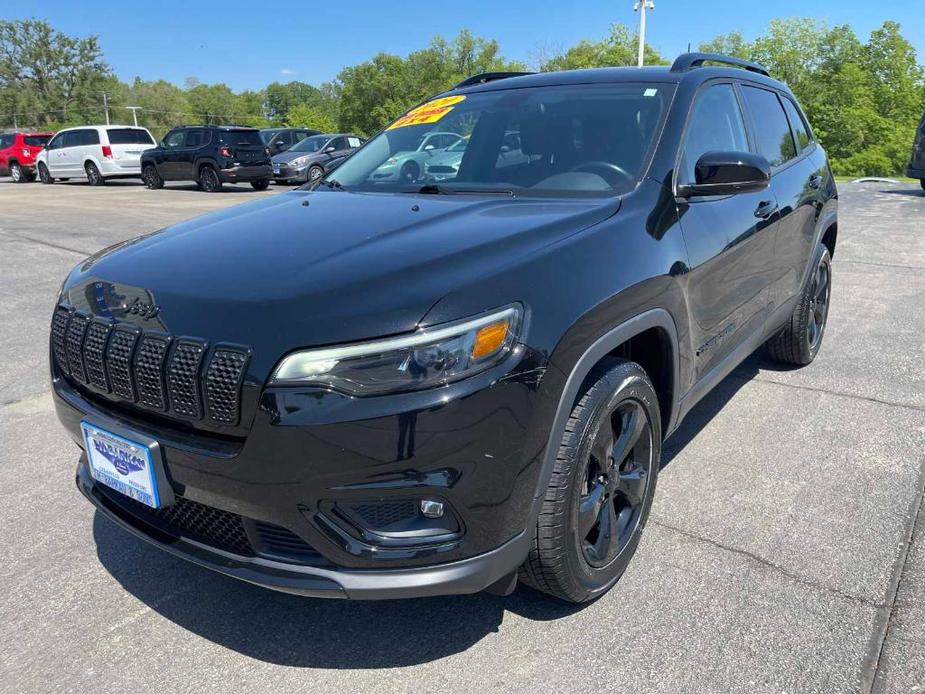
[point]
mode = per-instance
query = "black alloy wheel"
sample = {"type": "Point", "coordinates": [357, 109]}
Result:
{"type": "Point", "coordinates": [818, 305]}
{"type": "Point", "coordinates": [410, 172]}
{"type": "Point", "coordinates": [602, 485]}
{"type": "Point", "coordinates": [151, 177]}
{"type": "Point", "coordinates": [209, 180]}
{"type": "Point", "coordinates": [616, 474]}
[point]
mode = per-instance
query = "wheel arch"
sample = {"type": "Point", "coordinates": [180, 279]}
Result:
{"type": "Point", "coordinates": [654, 328]}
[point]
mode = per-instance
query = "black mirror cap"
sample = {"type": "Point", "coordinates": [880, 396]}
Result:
{"type": "Point", "coordinates": [728, 173]}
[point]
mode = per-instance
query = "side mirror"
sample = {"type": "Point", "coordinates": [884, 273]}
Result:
{"type": "Point", "coordinates": [427, 148]}
{"type": "Point", "coordinates": [280, 145]}
{"type": "Point", "coordinates": [329, 149]}
{"type": "Point", "coordinates": [728, 173]}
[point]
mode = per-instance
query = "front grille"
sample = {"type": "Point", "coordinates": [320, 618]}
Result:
{"type": "Point", "coordinates": [178, 376]}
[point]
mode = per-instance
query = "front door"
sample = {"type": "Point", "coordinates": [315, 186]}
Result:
{"type": "Point", "coordinates": [729, 239]}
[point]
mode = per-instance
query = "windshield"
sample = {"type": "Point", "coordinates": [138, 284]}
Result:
{"type": "Point", "coordinates": [310, 144]}
{"type": "Point", "coordinates": [560, 140]}
{"type": "Point", "coordinates": [267, 135]}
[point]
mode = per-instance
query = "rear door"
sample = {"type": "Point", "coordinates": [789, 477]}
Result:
{"type": "Point", "coordinates": [194, 141]}
{"type": "Point", "coordinates": [796, 180]}
{"type": "Point", "coordinates": [247, 148]}
{"type": "Point", "coordinates": [127, 144]}
{"type": "Point", "coordinates": [6, 142]}
{"type": "Point", "coordinates": [729, 238]}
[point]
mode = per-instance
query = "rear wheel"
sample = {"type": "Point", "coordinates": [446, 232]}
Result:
{"type": "Point", "coordinates": [209, 180]}
{"type": "Point", "coordinates": [94, 177]}
{"type": "Point", "coordinates": [17, 173]}
{"type": "Point", "coordinates": [601, 489]}
{"type": "Point", "coordinates": [799, 342]}
{"type": "Point", "coordinates": [922, 183]}
{"type": "Point", "coordinates": [44, 176]}
{"type": "Point", "coordinates": [262, 184]}
{"type": "Point", "coordinates": [151, 177]}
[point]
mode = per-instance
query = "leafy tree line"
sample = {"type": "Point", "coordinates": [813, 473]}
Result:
{"type": "Point", "coordinates": [864, 98]}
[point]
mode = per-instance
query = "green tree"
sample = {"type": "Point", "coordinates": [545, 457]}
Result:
{"type": "Point", "coordinates": [53, 76]}
{"type": "Point", "coordinates": [619, 48]}
{"type": "Point", "coordinates": [311, 116]}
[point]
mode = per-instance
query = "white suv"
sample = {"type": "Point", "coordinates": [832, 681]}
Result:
{"type": "Point", "coordinates": [94, 152]}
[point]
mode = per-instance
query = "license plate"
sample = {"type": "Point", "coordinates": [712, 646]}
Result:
{"type": "Point", "coordinates": [121, 464]}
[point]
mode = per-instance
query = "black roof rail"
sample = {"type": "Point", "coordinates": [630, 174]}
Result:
{"type": "Point", "coordinates": [484, 77]}
{"type": "Point", "coordinates": [688, 61]}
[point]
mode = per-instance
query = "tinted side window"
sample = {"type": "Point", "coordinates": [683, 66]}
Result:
{"type": "Point", "coordinates": [339, 143]}
{"type": "Point", "coordinates": [798, 124]}
{"type": "Point", "coordinates": [174, 139]}
{"type": "Point", "coordinates": [194, 138]}
{"type": "Point", "coordinates": [55, 142]}
{"type": "Point", "coordinates": [71, 139]}
{"type": "Point", "coordinates": [285, 137]}
{"type": "Point", "coordinates": [89, 137]}
{"type": "Point", "coordinates": [5, 141]}
{"type": "Point", "coordinates": [716, 125]}
{"type": "Point", "coordinates": [772, 132]}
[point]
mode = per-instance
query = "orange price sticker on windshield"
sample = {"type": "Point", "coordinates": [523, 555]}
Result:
{"type": "Point", "coordinates": [430, 112]}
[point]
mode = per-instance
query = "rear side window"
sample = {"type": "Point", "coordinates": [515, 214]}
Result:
{"type": "Point", "coordinates": [36, 140]}
{"type": "Point", "coordinates": [195, 138]}
{"type": "Point", "coordinates": [5, 141]}
{"type": "Point", "coordinates": [353, 141]}
{"type": "Point", "coordinates": [129, 136]}
{"type": "Point", "coordinates": [800, 131]}
{"type": "Point", "coordinates": [716, 125]}
{"type": "Point", "coordinates": [82, 138]}
{"type": "Point", "coordinates": [772, 131]}
{"type": "Point", "coordinates": [242, 138]}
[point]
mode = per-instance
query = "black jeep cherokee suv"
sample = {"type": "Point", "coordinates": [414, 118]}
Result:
{"type": "Point", "coordinates": [375, 389]}
{"type": "Point", "coordinates": [209, 155]}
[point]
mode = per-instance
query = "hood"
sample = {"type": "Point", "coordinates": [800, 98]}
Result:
{"type": "Point", "coordinates": [315, 268]}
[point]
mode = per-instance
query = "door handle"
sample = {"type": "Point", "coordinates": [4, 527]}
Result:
{"type": "Point", "coordinates": [815, 181]}
{"type": "Point", "coordinates": [766, 209]}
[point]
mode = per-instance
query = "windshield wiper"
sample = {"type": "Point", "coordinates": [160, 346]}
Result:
{"type": "Point", "coordinates": [333, 185]}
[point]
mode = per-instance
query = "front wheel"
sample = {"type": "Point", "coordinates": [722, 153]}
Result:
{"type": "Point", "coordinates": [799, 341]}
{"type": "Point", "coordinates": [44, 176]}
{"type": "Point", "coordinates": [151, 177]}
{"type": "Point", "coordinates": [94, 177]}
{"type": "Point", "coordinates": [209, 180]}
{"type": "Point", "coordinates": [601, 489]}
{"type": "Point", "coordinates": [314, 173]}
{"type": "Point", "coordinates": [262, 184]}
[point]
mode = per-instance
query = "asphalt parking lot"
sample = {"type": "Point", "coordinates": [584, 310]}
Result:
{"type": "Point", "coordinates": [783, 552]}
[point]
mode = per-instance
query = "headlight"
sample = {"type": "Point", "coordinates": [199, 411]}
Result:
{"type": "Point", "coordinates": [299, 161]}
{"type": "Point", "coordinates": [427, 358]}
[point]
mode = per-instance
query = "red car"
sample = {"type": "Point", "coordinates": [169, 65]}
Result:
{"type": "Point", "coordinates": [17, 154]}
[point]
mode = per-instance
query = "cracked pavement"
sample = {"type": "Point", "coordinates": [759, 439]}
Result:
{"type": "Point", "coordinates": [785, 551]}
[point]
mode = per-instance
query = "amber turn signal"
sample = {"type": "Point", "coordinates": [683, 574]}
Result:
{"type": "Point", "coordinates": [489, 339]}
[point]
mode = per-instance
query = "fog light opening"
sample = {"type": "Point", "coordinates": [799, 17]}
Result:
{"type": "Point", "coordinates": [431, 508]}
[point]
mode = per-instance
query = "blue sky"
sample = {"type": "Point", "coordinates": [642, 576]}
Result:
{"type": "Point", "coordinates": [248, 45]}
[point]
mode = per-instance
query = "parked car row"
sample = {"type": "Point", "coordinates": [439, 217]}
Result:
{"type": "Point", "coordinates": [210, 155]}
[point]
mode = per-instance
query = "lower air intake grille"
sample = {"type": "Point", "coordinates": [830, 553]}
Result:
{"type": "Point", "coordinates": [381, 515]}
{"type": "Point", "coordinates": [278, 540]}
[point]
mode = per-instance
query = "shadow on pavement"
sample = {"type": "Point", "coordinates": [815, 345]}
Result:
{"type": "Point", "coordinates": [914, 192]}
{"type": "Point", "coordinates": [305, 632]}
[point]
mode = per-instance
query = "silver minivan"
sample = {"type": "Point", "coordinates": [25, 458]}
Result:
{"type": "Point", "coordinates": [94, 152]}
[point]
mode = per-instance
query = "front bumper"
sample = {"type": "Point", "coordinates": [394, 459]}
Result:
{"type": "Point", "coordinates": [288, 174]}
{"type": "Point", "coordinates": [309, 459]}
{"type": "Point", "coordinates": [245, 174]}
{"type": "Point", "coordinates": [467, 576]}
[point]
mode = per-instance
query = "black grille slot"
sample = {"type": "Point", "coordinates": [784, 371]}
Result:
{"type": "Point", "coordinates": [119, 363]}
{"type": "Point", "coordinates": [223, 385]}
{"type": "Point", "coordinates": [190, 519]}
{"type": "Point", "coordinates": [278, 540]}
{"type": "Point", "coordinates": [94, 354]}
{"type": "Point", "coordinates": [381, 515]}
{"type": "Point", "coordinates": [59, 337]}
{"type": "Point", "coordinates": [149, 371]}
{"type": "Point", "coordinates": [183, 378]}
{"type": "Point", "coordinates": [76, 332]}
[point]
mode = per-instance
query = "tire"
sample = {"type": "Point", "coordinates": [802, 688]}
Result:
{"type": "Point", "coordinates": [314, 173]}
{"type": "Point", "coordinates": [208, 180]}
{"type": "Point", "coordinates": [262, 184]}
{"type": "Point", "coordinates": [605, 475]}
{"type": "Point", "coordinates": [18, 174]}
{"type": "Point", "coordinates": [799, 341]}
{"type": "Point", "coordinates": [94, 177]}
{"type": "Point", "coordinates": [151, 177]}
{"type": "Point", "coordinates": [409, 172]}
{"type": "Point", "coordinates": [922, 183]}
{"type": "Point", "coordinates": [44, 176]}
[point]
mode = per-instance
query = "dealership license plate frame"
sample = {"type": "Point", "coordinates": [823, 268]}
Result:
{"type": "Point", "coordinates": [148, 484]}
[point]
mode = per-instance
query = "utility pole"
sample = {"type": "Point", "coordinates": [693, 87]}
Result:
{"type": "Point", "coordinates": [134, 110]}
{"type": "Point", "coordinates": [641, 6]}
{"type": "Point", "coordinates": [106, 105]}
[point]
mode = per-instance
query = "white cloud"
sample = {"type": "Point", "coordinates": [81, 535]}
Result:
{"type": "Point", "coordinates": [287, 71]}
